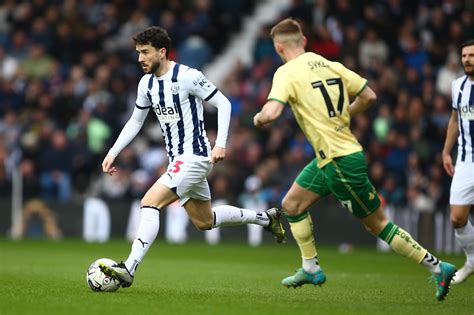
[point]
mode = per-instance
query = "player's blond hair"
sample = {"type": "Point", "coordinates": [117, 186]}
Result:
{"type": "Point", "coordinates": [287, 31]}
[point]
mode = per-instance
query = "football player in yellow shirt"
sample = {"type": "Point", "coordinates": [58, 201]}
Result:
{"type": "Point", "coordinates": [319, 91]}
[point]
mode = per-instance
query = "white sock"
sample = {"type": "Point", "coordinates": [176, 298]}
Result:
{"type": "Point", "coordinates": [230, 216]}
{"type": "Point", "coordinates": [311, 265]}
{"type": "Point", "coordinates": [465, 237]}
{"type": "Point", "coordinates": [431, 262]}
{"type": "Point", "coordinates": [147, 232]}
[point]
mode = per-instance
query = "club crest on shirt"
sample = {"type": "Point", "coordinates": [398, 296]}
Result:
{"type": "Point", "coordinates": [175, 88]}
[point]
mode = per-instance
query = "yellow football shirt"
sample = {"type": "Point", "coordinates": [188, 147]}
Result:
{"type": "Point", "coordinates": [318, 92]}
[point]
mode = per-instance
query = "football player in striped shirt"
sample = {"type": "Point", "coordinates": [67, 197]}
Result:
{"type": "Point", "coordinates": [318, 91]}
{"type": "Point", "coordinates": [175, 93]}
{"type": "Point", "coordinates": [461, 128]}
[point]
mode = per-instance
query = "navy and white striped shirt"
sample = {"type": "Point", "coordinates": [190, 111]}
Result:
{"type": "Point", "coordinates": [462, 90]}
{"type": "Point", "coordinates": [176, 98]}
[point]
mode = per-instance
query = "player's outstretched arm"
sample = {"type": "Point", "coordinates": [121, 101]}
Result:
{"type": "Point", "coordinates": [451, 136]}
{"type": "Point", "coordinates": [128, 133]}
{"type": "Point", "coordinates": [269, 113]}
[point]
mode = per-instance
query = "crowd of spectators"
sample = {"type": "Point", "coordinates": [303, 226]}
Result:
{"type": "Point", "coordinates": [68, 77]}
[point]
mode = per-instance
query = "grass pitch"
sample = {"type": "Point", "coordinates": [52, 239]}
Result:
{"type": "Point", "coordinates": [39, 277]}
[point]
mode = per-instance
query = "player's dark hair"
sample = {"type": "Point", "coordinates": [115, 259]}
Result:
{"type": "Point", "coordinates": [155, 36]}
{"type": "Point", "coordinates": [467, 43]}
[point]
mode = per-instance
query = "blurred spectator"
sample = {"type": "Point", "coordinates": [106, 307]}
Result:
{"type": "Point", "coordinates": [382, 123]}
{"type": "Point", "coordinates": [8, 65]}
{"type": "Point", "coordinates": [447, 73]}
{"type": "Point", "coordinates": [123, 40]}
{"type": "Point", "coordinates": [414, 54]}
{"type": "Point", "coordinates": [392, 193]}
{"type": "Point", "coordinates": [351, 43]}
{"type": "Point", "coordinates": [38, 64]}
{"type": "Point", "coordinates": [397, 158]}
{"type": "Point", "coordinates": [55, 161]}
{"type": "Point", "coordinates": [194, 52]}
{"type": "Point", "coordinates": [10, 129]}
{"type": "Point", "coordinates": [324, 45]}
{"type": "Point", "coordinates": [31, 185]}
{"type": "Point", "coordinates": [98, 133]}
{"type": "Point", "coordinates": [19, 45]}
{"type": "Point", "coordinates": [372, 50]}
{"type": "Point", "coordinates": [441, 112]}
{"type": "Point", "coordinates": [264, 46]}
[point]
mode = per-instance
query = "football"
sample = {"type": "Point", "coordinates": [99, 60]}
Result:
{"type": "Point", "coordinates": [98, 281]}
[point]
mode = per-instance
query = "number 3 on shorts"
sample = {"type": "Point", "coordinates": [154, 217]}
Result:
{"type": "Point", "coordinates": [348, 205]}
{"type": "Point", "coordinates": [175, 168]}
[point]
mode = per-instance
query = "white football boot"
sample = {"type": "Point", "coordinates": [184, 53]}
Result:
{"type": "Point", "coordinates": [463, 273]}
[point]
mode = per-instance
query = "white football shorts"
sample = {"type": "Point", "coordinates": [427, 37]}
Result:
{"type": "Point", "coordinates": [462, 186]}
{"type": "Point", "coordinates": [188, 179]}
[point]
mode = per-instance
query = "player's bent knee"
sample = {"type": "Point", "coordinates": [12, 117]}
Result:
{"type": "Point", "coordinates": [148, 206]}
{"type": "Point", "coordinates": [375, 227]}
{"type": "Point", "coordinates": [147, 202]}
{"type": "Point", "coordinates": [370, 229]}
{"type": "Point", "coordinates": [152, 202]}
{"type": "Point", "coordinates": [203, 225]}
{"type": "Point", "coordinates": [458, 221]}
{"type": "Point", "coordinates": [292, 207]}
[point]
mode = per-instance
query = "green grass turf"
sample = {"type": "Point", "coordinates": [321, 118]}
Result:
{"type": "Point", "coordinates": [39, 277]}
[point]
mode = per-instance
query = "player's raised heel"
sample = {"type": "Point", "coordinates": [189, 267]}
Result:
{"type": "Point", "coordinates": [443, 279]}
{"type": "Point", "coordinates": [302, 277]}
{"type": "Point", "coordinates": [275, 226]}
{"type": "Point", "coordinates": [119, 272]}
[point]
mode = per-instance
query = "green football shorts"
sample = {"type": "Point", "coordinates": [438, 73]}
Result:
{"type": "Point", "coordinates": [345, 177]}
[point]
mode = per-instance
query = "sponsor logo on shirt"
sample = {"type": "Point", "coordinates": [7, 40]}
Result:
{"type": "Point", "coordinates": [467, 112]}
{"type": "Point", "coordinates": [201, 81]}
{"type": "Point", "coordinates": [167, 114]}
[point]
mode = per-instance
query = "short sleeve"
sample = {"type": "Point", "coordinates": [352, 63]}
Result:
{"type": "Point", "coordinates": [353, 82]}
{"type": "Point", "coordinates": [280, 91]}
{"type": "Point", "coordinates": [200, 86]}
{"type": "Point", "coordinates": [142, 90]}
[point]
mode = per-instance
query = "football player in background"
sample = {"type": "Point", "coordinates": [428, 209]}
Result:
{"type": "Point", "coordinates": [461, 126]}
{"type": "Point", "coordinates": [318, 91]}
